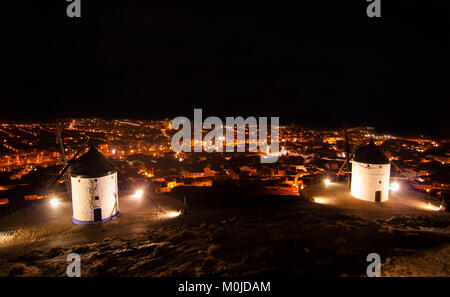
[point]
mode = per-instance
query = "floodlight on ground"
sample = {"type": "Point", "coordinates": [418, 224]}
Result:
{"type": "Point", "coordinates": [54, 202]}
{"type": "Point", "coordinates": [173, 213]}
{"type": "Point", "coordinates": [138, 194]}
{"type": "Point", "coordinates": [394, 187]}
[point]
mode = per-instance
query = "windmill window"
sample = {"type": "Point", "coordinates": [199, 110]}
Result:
{"type": "Point", "coordinates": [379, 182]}
{"type": "Point", "coordinates": [96, 180]}
{"type": "Point", "coordinates": [97, 197]}
{"type": "Point", "coordinates": [79, 180]}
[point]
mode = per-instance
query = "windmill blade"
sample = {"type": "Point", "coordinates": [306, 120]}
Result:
{"type": "Point", "coordinates": [396, 166]}
{"type": "Point", "coordinates": [340, 169]}
{"type": "Point", "coordinates": [402, 172]}
{"type": "Point", "coordinates": [60, 143]}
{"type": "Point", "coordinates": [347, 157]}
{"type": "Point", "coordinates": [49, 187]}
{"type": "Point", "coordinates": [67, 182]}
{"type": "Point", "coordinates": [355, 146]}
{"type": "Point", "coordinates": [63, 153]}
{"type": "Point", "coordinates": [156, 204]}
{"type": "Point", "coordinates": [83, 146]}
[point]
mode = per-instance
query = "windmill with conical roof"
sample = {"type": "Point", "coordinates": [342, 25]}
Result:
{"type": "Point", "coordinates": [94, 189]}
{"type": "Point", "coordinates": [370, 174]}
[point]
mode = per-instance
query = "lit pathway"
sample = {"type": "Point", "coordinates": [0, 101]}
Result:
{"type": "Point", "coordinates": [337, 195]}
{"type": "Point", "coordinates": [48, 225]}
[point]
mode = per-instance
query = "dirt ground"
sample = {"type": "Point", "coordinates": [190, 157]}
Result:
{"type": "Point", "coordinates": [232, 232]}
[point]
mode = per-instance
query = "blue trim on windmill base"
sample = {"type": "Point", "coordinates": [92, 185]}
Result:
{"type": "Point", "coordinates": [112, 217]}
{"type": "Point", "coordinates": [77, 222]}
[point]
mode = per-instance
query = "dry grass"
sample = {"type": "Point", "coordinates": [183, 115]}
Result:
{"type": "Point", "coordinates": [213, 250]}
{"type": "Point", "coordinates": [161, 250]}
{"type": "Point", "coordinates": [17, 269]}
{"type": "Point", "coordinates": [80, 248]}
{"type": "Point", "coordinates": [295, 245]}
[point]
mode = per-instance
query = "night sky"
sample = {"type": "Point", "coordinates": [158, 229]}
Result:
{"type": "Point", "coordinates": [321, 65]}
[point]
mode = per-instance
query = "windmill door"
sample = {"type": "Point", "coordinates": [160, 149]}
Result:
{"type": "Point", "coordinates": [97, 214]}
{"type": "Point", "coordinates": [377, 196]}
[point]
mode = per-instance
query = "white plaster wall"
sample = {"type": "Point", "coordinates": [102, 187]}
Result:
{"type": "Point", "coordinates": [369, 178]}
{"type": "Point", "coordinates": [84, 191]}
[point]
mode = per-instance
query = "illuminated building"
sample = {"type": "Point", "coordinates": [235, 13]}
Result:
{"type": "Point", "coordinates": [370, 174]}
{"type": "Point", "coordinates": [94, 189]}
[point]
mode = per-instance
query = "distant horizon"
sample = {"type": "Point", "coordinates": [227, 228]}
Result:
{"type": "Point", "coordinates": [378, 129]}
{"type": "Point", "coordinates": [323, 66]}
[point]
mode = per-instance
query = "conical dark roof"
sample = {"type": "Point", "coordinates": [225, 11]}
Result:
{"type": "Point", "coordinates": [370, 154]}
{"type": "Point", "coordinates": [91, 164]}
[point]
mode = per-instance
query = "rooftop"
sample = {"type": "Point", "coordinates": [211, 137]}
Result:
{"type": "Point", "coordinates": [370, 154]}
{"type": "Point", "coordinates": [92, 164]}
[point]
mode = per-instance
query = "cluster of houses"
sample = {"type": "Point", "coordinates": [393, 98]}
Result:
{"type": "Point", "coordinates": [162, 175]}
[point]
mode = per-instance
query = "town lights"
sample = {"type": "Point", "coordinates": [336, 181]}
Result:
{"type": "Point", "coordinates": [54, 202]}
{"type": "Point", "coordinates": [138, 194]}
{"type": "Point", "coordinates": [394, 187]}
{"type": "Point", "coordinates": [327, 182]}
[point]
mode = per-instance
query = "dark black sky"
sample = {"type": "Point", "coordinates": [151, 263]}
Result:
{"type": "Point", "coordinates": [325, 64]}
